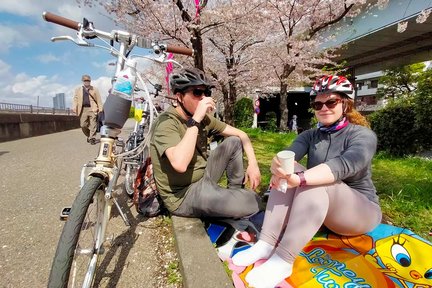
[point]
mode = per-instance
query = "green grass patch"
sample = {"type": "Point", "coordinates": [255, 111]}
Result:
{"type": "Point", "coordinates": [174, 276]}
{"type": "Point", "coordinates": [403, 184]}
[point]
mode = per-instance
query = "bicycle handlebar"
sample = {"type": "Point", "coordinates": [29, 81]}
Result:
{"type": "Point", "coordinates": [116, 35]}
{"type": "Point", "coordinates": [179, 50]}
{"type": "Point", "coordinates": [50, 17]}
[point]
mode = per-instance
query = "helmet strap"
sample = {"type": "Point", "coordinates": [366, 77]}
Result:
{"type": "Point", "coordinates": [184, 109]}
{"type": "Point", "coordinates": [180, 103]}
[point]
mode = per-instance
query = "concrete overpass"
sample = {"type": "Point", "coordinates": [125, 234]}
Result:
{"type": "Point", "coordinates": [371, 41]}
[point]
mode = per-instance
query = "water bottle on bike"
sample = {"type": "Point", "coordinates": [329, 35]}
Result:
{"type": "Point", "coordinates": [118, 102]}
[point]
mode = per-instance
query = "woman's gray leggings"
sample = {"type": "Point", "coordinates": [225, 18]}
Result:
{"type": "Point", "coordinates": [295, 216]}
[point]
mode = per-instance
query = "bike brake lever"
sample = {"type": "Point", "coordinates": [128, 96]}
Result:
{"type": "Point", "coordinates": [78, 41]}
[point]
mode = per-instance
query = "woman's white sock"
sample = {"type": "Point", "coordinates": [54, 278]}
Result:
{"type": "Point", "coordinates": [261, 250]}
{"type": "Point", "coordinates": [269, 274]}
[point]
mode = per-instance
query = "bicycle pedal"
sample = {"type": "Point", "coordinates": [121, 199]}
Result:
{"type": "Point", "coordinates": [64, 214]}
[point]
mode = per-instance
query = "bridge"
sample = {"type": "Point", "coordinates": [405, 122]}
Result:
{"type": "Point", "coordinates": [371, 41]}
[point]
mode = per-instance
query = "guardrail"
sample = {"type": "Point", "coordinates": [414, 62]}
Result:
{"type": "Point", "coordinates": [21, 108]}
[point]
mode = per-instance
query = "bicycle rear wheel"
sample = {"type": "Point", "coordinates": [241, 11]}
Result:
{"type": "Point", "coordinates": [132, 171]}
{"type": "Point", "coordinates": [80, 243]}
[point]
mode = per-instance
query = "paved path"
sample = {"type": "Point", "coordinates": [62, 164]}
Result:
{"type": "Point", "coordinates": [39, 176]}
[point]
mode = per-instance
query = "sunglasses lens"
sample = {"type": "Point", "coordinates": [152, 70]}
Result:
{"type": "Point", "coordinates": [317, 105]}
{"type": "Point", "coordinates": [199, 92]}
{"type": "Point", "coordinates": [329, 104]}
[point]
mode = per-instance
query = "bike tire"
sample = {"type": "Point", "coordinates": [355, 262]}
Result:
{"type": "Point", "coordinates": [77, 253]}
{"type": "Point", "coordinates": [131, 172]}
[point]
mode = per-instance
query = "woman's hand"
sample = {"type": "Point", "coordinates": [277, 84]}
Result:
{"type": "Point", "coordinates": [276, 168]}
{"type": "Point", "coordinates": [278, 174]}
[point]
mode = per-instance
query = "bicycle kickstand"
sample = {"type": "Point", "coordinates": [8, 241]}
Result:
{"type": "Point", "coordinates": [122, 214]}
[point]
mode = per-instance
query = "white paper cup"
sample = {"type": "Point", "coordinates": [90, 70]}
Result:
{"type": "Point", "coordinates": [287, 160]}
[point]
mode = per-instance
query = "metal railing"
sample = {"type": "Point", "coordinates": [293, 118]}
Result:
{"type": "Point", "coordinates": [21, 108]}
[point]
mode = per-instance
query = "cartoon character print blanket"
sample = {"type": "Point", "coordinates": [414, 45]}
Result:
{"type": "Point", "coordinates": [386, 257]}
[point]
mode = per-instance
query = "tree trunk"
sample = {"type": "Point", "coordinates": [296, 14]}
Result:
{"type": "Point", "coordinates": [283, 125]}
{"type": "Point", "coordinates": [231, 99]}
{"type": "Point", "coordinates": [226, 103]}
{"type": "Point", "coordinates": [196, 41]}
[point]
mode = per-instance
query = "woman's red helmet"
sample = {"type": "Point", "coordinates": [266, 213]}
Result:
{"type": "Point", "coordinates": [333, 83]}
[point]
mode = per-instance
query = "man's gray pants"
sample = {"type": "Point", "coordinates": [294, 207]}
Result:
{"type": "Point", "coordinates": [205, 198]}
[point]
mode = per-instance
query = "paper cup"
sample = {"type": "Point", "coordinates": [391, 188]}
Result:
{"type": "Point", "coordinates": [287, 160]}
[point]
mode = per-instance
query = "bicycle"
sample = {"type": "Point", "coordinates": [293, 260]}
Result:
{"type": "Point", "coordinates": [135, 138]}
{"type": "Point", "coordinates": [82, 240]}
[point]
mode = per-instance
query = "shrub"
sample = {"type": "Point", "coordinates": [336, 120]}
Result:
{"type": "Point", "coordinates": [423, 109]}
{"type": "Point", "coordinates": [271, 122]}
{"type": "Point", "coordinates": [394, 126]}
{"type": "Point", "coordinates": [243, 113]}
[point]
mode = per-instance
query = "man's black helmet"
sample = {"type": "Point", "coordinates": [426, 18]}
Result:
{"type": "Point", "coordinates": [186, 77]}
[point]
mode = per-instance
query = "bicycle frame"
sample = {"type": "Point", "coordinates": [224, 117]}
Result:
{"type": "Point", "coordinates": [106, 159]}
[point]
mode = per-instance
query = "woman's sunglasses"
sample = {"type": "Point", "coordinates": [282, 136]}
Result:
{"type": "Point", "coordinates": [317, 105]}
{"type": "Point", "coordinates": [197, 92]}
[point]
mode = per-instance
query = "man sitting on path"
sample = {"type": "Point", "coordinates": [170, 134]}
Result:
{"type": "Point", "coordinates": [186, 174]}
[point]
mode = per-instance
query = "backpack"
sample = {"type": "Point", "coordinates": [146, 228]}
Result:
{"type": "Point", "coordinates": [146, 196]}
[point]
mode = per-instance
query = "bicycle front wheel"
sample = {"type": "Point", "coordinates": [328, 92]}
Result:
{"type": "Point", "coordinates": [80, 243]}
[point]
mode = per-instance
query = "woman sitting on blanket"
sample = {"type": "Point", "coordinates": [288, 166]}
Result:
{"type": "Point", "coordinates": [336, 189]}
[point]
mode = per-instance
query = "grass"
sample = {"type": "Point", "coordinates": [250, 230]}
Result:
{"type": "Point", "coordinates": [403, 184]}
{"type": "Point", "coordinates": [174, 276]}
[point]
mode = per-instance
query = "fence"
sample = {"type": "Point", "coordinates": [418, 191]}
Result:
{"type": "Point", "coordinates": [21, 108]}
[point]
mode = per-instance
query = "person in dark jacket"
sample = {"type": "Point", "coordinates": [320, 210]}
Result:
{"type": "Point", "coordinates": [335, 189]}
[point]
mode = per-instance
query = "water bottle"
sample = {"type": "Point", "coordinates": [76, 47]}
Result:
{"type": "Point", "coordinates": [118, 102]}
{"type": "Point", "coordinates": [138, 113]}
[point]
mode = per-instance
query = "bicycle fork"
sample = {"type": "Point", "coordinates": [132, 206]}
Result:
{"type": "Point", "coordinates": [103, 167]}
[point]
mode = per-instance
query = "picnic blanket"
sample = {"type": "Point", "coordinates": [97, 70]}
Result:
{"type": "Point", "coordinates": [388, 256]}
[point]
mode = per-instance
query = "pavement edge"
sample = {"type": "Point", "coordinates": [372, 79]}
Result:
{"type": "Point", "coordinates": [199, 264]}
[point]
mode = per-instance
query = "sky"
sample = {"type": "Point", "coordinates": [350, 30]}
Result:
{"type": "Point", "coordinates": [32, 68]}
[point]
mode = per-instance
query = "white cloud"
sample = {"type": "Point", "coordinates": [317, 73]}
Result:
{"type": "Point", "coordinates": [11, 37]}
{"type": "Point", "coordinates": [103, 84]}
{"type": "Point", "coordinates": [47, 58]}
{"type": "Point", "coordinates": [20, 86]}
{"type": "Point", "coordinates": [23, 89]}
{"type": "Point", "coordinates": [23, 7]}
{"type": "Point", "coordinates": [4, 68]}
{"type": "Point", "coordinates": [19, 34]}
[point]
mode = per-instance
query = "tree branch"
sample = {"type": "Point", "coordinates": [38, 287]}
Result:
{"type": "Point", "coordinates": [325, 24]}
{"type": "Point", "coordinates": [185, 16]}
{"type": "Point", "coordinates": [220, 48]}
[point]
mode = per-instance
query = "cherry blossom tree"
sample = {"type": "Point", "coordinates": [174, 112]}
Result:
{"type": "Point", "coordinates": [293, 53]}
{"type": "Point", "coordinates": [229, 50]}
{"type": "Point", "coordinates": [181, 21]}
{"type": "Point", "coordinates": [264, 42]}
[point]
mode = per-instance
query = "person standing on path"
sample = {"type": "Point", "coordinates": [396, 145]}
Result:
{"type": "Point", "coordinates": [87, 103]}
